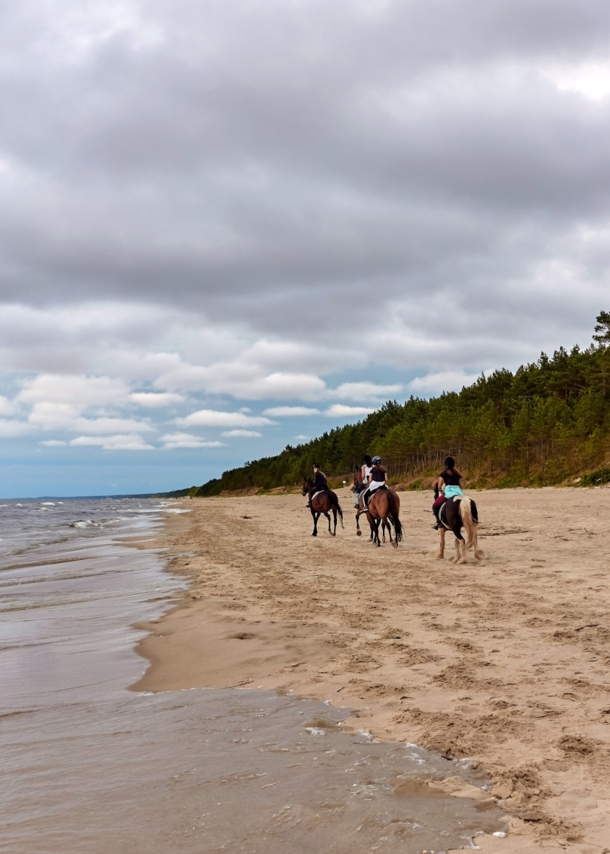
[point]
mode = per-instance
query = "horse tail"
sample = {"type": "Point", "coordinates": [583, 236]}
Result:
{"type": "Point", "coordinates": [470, 525]}
{"type": "Point", "coordinates": [395, 519]}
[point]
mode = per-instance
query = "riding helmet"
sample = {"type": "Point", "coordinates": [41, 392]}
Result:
{"type": "Point", "coordinates": [376, 460]}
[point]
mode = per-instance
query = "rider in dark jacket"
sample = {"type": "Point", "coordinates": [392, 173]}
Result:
{"type": "Point", "coordinates": [319, 482]}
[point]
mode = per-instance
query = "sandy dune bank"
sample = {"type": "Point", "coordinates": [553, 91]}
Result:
{"type": "Point", "coordinates": [506, 661]}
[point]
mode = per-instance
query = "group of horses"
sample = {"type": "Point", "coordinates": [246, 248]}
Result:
{"type": "Point", "coordinates": [382, 511]}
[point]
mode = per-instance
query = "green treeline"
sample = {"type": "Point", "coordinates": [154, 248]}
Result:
{"type": "Point", "coordinates": [545, 423]}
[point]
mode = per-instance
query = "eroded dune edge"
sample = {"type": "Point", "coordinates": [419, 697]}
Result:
{"type": "Point", "coordinates": [506, 661]}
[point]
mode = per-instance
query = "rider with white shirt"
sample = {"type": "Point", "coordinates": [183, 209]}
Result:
{"type": "Point", "coordinates": [377, 479]}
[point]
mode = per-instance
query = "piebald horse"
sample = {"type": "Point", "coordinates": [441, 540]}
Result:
{"type": "Point", "coordinates": [456, 514]}
{"type": "Point", "coordinates": [323, 502]}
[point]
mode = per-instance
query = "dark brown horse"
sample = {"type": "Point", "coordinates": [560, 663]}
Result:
{"type": "Point", "coordinates": [383, 509]}
{"type": "Point", "coordinates": [323, 503]}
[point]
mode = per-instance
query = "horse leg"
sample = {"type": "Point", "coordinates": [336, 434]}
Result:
{"type": "Point", "coordinates": [328, 517]}
{"type": "Point", "coordinates": [441, 550]}
{"type": "Point", "coordinates": [334, 521]}
{"type": "Point", "coordinates": [316, 516]}
{"type": "Point", "coordinates": [371, 522]}
{"type": "Point", "coordinates": [478, 553]}
{"type": "Point", "coordinates": [464, 558]}
{"type": "Point", "coordinates": [460, 549]}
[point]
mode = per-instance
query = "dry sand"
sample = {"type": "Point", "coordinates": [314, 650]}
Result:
{"type": "Point", "coordinates": [506, 661]}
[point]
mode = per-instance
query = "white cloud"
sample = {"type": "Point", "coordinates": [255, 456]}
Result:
{"type": "Point", "coordinates": [155, 400]}
{"type": "Point", "coordinates": [243, 377]}
{"type": "Point", "coordinates": [187, 440]}
{"type": "Point", "coordinates": [340, 410]}
{"type": "Point", "coordinates": [244, 433]}
{"type": "Point", "coordinates": [441, 381]}
{"type": "Point", "coordinates": [365, 391]}
{"type": "Point", "coordinates": [7, 407]}
{"type": "Point", "coordinates": [289, 411]}
{"type": "Point", "coordinates": [65, 416]}
{"type": "Point", "coordinates": [10, 429]}
{"type": "Point", "coordinates": [214, 418]}
{"type": "Point", "coordinates": [590, 79]}
{"type": "Point", "coordinates": [124, 442]}
{"type": "Point", "coordinates": [53, 443]}
{"type": "Point", "coordinates": [78, 391]}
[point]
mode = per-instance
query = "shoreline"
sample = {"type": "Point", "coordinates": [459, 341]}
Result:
{"type": "Point", "coordinates": [504, 662]}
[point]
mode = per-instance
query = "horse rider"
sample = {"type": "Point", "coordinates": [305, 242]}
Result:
{"type": "Point", "coordinates": [365, 474]}
{"type": "Point", "coordinates": [448, 485]}
{"type": "Point", "coordinates": [377, 478]}
{"type": "Point", "coordinates": [319, 482]}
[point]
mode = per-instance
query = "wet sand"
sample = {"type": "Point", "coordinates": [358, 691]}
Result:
{"type": "Point", "coordinates": [506, 660]}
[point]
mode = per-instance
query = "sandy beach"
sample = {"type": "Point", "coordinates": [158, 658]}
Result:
{"type": "Point", "coordinates": [506, 660]}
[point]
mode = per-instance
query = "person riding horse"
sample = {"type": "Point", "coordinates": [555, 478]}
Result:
{"type": "Point", "coordinates": [365, 475]}
{"type": "Point", "coordinates": [377, 478]}
{"type": "Point", "coordinates": [319, 482]}
{"type": "Point", "coordinates": [448, 485]}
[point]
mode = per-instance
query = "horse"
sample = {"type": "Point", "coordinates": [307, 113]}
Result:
{"type": "Point", "coordinates": [323, 503]}
{"type": "Point", "coordinates": [457, 513]}
{"type": "Point", "coordinates": [383, 508]}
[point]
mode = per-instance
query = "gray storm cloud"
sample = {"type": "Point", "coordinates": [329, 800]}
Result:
{"type": "Point", "coordinates": [285, 167]}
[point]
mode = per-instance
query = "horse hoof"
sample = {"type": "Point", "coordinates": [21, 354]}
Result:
{"type": "Point", "coordinates": [394, 545]}
{"type": "Point", "coordinates": [358, 533]}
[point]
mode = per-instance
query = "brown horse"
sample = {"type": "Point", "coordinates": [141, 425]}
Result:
{"type": "Point", "coordinates": [323, 503]}
{"type": "Point", "coordinates": [383, 508]}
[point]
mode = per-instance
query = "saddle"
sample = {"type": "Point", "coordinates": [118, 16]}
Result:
{"type": "Point", "coordinates": [319, 492]}
{"type": "Point", "coordinates": [439, 515]}
{"type": "Point", "coordinates": [368, 495]}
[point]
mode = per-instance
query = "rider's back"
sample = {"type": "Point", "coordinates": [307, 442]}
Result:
{"type": "Point", "coordinates": [378, 474]}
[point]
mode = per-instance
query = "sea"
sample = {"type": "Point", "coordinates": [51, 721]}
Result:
{"type": "Point", "coordinates": [90, 767]}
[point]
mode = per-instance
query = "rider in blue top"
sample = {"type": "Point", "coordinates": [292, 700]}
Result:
{"type": "Point", "coordinates": [448, 485]}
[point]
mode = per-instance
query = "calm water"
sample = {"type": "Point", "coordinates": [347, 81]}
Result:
{"type": "Point", "coordinates": [91, 767]}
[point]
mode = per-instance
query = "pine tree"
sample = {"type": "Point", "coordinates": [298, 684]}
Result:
{"type": "Point", "coordinates": [602, 328]}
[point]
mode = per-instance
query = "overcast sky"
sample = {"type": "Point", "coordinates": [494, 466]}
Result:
{"type": "Point", "coordinates": [226, 225]}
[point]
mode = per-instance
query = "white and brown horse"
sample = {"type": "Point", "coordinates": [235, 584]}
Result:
{"type": "Point", "coordinates": [457, 514]}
